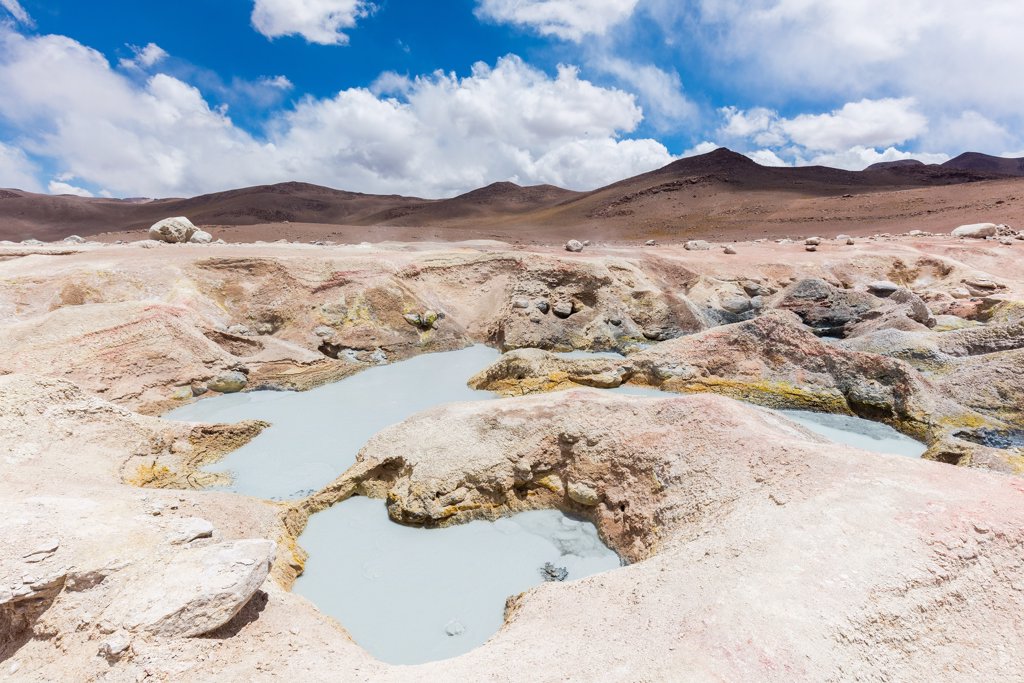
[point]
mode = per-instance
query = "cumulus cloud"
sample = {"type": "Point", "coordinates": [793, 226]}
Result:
{"type": "Point", "coordinates": [16, 170]}
{"type": "Point", "coordinates": [666, 106]}
{"type": "Point", "coordinates": [59, 185]}
{"type": "Point", "coordinates": [442, 134]}
{"type": "Point", "coordinates": [847, 137]}
{"type": "Point", "coordinates": [565, 19]}
{"type": "Point", "coordinates": [145, 57]}
{"type": "Point", "coordinates": [318, 21]}
{"type": "Point", "coordinates": [17, 11]}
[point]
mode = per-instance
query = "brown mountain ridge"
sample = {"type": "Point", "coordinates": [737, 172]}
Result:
{"type": "Point", "coordinates": [721, 195]}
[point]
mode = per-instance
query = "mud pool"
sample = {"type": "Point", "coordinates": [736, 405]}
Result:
{"type": "Point", "coordinates": [411, 595]}
{"type": "Point", "coordinates": [314, 435]}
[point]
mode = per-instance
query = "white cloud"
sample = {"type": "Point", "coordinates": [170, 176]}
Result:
{"type": "Point", "coordinates": [665, 104]}
{"type": "Point", "coordinates": [16, 170]}
{"type": "Point", "coordinates": [701, 148]}
{"type": "Point", "coordinates": [145, 57]}
{"type": "Point", "coordinates": [867, 122]}
{"type": "Point", "coordinates": [318, 21]}
{"type": "Point", "coordinates": [17, 11]}
{"type": "Point", "coordinates": [59, 186]}
{"type": "Point", "coordinates": [857, 158]}
{"type": "Point", "coordinates": [565, 19]}
{"type": "Point", "coordinates": [442, 135]}
{"type": "Point", "coordinates": [846, 137]}
{"type": "Point", "coordinates": [767, 157]}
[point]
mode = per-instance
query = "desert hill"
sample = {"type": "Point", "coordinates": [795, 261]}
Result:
{"type": "Point", "coordinates": [720, 195]}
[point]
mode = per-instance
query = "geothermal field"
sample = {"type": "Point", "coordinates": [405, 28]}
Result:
{"type": "Point", "coordinates": [795, 454]}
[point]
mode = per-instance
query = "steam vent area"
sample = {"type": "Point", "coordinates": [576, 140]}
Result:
{"type": "Point", "coordinates": [718, 459]}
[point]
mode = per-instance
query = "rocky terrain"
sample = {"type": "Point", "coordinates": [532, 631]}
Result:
{"type": "Point", "coordinates": [757, 550]}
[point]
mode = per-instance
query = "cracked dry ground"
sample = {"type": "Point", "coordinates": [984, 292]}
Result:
{"type": "Point", "coordinates": [758, 551]}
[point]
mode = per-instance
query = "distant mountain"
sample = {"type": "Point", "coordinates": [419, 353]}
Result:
{"type": "Point", "coordinates": [698, 195]}
{"type": "Point", "coordinates": [974, 161]}
{"type": "Point", "coordinates": [899, 163]}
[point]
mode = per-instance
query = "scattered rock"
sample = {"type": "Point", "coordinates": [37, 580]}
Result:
{"type": "Point", "coordinates": [574, 246]}
{"type": "Point", "coordinates": [542, 305]}
{"type": "Point", "coordinates": [729, 249]}
{"type": "Point", "coordinates": [651, 243]}
{"type": "Point", "coordinates": [32, 243]}
{"type": "Point", "coordinates": [173, 230]}
{"type": "Point", "coordinates": [736, 304]}
{"type": "Point", "coordinates": [552, 573]}
{"type": "Point", "coordinates": [811, 247]}
{"type": "Point", "coordinates": [201, 237]}
{"type": "Point", "coordinates": [454, 628]}
{"type": "Point", "coordinates": [976, 230]}
{"type": "Point", "coordinates": [188, 529]}
{"type": "Point", "coordinates": [813, 241]}
{"type": "Point", "coordinates": [697, 245]}
{"type": "Point", "coordinates": [882, 288]}
{"type": "Point", "coordinates": [228, 382]}
{"type": "Point", "coordinates": [849, 241]}
{"type": "Point", "coordinates": [520, 303]}
{"type": "Point", "coordinates": [115, 647]}
{"type": "Point", "coordinates": [586, 243]}
{"type": "Point", "coordinates": [182, 393]}
{"type": "Point", "coordinates": [73, 239]}
{"type": "Point", "coordinates": [583, 494]}
{"type": "Point", "coordinates": [563, 309]}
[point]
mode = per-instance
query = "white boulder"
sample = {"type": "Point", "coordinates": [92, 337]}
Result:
{"type": "Point", "coordinates": [976, 230]}
{"type": "Point", "coordinates": [200, 237]}
{"type": "Point", "coordinates": [199, 589]}
{"type": "Point", "coordinates": [177, 229]}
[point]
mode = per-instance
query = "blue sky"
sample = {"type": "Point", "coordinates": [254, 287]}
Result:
{"type": "Point", "coordinates": [434, 98]}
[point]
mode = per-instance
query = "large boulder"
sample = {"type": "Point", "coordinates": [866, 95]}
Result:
{"type": "Point", "coordinates": [976, 230]}
{"type": "Point", "coordinates": [175, 230]}
{"type": "Point", "coordinates": [200, 589]}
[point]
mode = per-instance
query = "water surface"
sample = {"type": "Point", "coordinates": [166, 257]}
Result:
{"type": "Point", "coordinates": [410, 595]}
{"type": "Point", "coordinates": [314, 435]}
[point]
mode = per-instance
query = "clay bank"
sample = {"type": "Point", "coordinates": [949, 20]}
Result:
{"type": "Point", "coordinates": [753, 547]}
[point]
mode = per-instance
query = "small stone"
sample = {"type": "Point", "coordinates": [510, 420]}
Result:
{"type": "Point", "coordinates": [73, 239]}
{"type": "Point", "coordinates": [736, 304]}
{"type": "Point", "coordinates": [115, 647]}
{"type": "Point", "coordinates": [228, 382]}
{"type": "Point", "coordinates": [200, 237]}
{"type": "Point", "coordinates": [239, 330]}
{"type": "Point", "coordinates": [586, 243]}
{"type": "Point", "coordinates": [1006, 241]}
{"type": "Point", "coordinates": [542, 305]}
{"type": "Point", "coordinates": [188, 529]}
{"type": "Point", "coordinates": [323, 331]}
{"type": "Point", "coordinates": [552, 573]}
{"type": "Point", "coordinates": [882, 288]}
{"type": "Point", "coordinates": [199, 389]}
{"type": "Point", "coordinates": [650, 243]}
{"type": "Point", "coordinates": [574, 246]}
{"type": "Point", "coordinates": [916, 233]}
{"type": "Point", "coordinates": [32, 243]}
{"type": "Point", "coordinates": [849, 241]}
{"type": "Point", "coordinates": [413, 319]}
{"type": "Point", "coordinates": [520, 303]}
{"type": "Point", "coordinates": [182, 393]}
{"type": "Point", "coordinates": [729, 249]}
{"type": "Point", "coordinates": [811, 247]}
{"type": "Point", "coordinates": [842, 238]}
{"type": "Point", "coordinates": [583, 494]}
{"type": "Point", "coordinates": [813, 241]}
{"type": "Point", "coordinates": [615, 321]}
{"type": "Point", "coordinates": [454, 628]}
{"type": "Point", "coordinates": [697, 245]}
{"type": "Point", "coordinates": [563, 309]}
